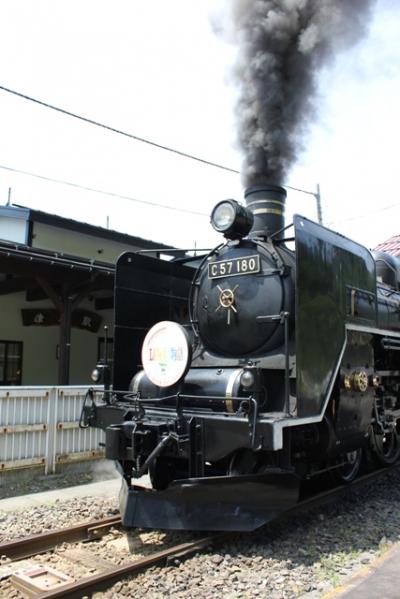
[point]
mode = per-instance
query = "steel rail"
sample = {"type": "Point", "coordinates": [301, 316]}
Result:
{"type": "Point", "coordinates": [324, 498]}
{"type": "Point", "coordinates": [17, 549]}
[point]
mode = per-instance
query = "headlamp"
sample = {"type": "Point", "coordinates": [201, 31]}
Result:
{"type": "Point", "coordinates": [101, 375]}
{"type": "Point", "coordinates": [231, 219]}
{"type": "Point", "coordinates": [95, 375]}
{"type": "Point", "coordinates": [247, 379]}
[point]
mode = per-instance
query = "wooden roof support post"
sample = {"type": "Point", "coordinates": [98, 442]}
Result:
{"type": "Point", "coordinates": [64, 306]}
{"type": "Point", "coordinates": [65, 303]}
{"type": "Point", "coordinates": [69, 302]}
{"type": "Point", "coordinates": [65, 341]}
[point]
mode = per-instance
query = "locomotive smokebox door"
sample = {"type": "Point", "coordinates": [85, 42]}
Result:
{"type": "Point", "coordinates": [147, 290]}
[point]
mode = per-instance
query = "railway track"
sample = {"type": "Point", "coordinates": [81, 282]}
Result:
{"type": "Point", "coordinates": [94, 530]}
{"type": "Point", "coordinates": [40, 543]}
{"type": "Point", "coordinates": [103, 580]}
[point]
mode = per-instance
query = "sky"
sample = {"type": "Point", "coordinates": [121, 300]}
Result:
{"type": "Point", "coordinates": [157, 70]}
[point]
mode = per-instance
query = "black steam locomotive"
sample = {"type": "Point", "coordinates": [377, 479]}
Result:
{"type": "Point", "coordinates": [241, 374]}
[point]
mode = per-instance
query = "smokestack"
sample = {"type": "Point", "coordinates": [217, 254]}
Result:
{"type": "Point", "coordinates": [267, 203]}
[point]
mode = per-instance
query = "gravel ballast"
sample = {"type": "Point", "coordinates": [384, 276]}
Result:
{"type": "Point", "coordinates": [304, 557]}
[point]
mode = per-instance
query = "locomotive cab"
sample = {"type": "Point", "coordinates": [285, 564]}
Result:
{"type": "Point", "coordinates": [387, 269]}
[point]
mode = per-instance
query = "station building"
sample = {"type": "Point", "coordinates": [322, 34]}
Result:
{"type": "Point", "coordinates": [56, 295]}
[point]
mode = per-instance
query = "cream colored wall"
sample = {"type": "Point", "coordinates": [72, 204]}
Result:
{"type": "Point", "coordinates": [14, 229]}
{"type": "Point", "coordinates": [40, 365]}
{"type": "Point", "coordinates": [47, 237]}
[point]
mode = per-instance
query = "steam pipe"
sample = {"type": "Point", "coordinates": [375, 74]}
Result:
{"type": "Point", "coordinates": [153, 455]}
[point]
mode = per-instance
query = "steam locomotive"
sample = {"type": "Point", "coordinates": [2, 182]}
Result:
{"type": "Point", "coordinates": [240, 375]}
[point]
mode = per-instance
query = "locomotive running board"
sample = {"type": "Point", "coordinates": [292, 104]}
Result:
{"type": "Point", "coordinates": [236, 503]}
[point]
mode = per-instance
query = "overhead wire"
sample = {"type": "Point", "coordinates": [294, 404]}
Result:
{"type": "Point", "coordinates": [133, 136]}
{"type": "Point", "coordinates": [167, 207]}
{"type": "Point", "coordinates": [118, 131]}
{"type": "Point", "coordinates": [101, 191]}
{"type": "Point", "coordinates": [364, 215]}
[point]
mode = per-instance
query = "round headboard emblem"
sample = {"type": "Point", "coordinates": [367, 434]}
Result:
{"type": "Point", "coordinates": [166, 353]}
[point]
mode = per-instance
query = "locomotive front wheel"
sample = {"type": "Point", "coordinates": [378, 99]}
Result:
{"type": "Point", "coordinates": [349, 466]}
{"type": "Point", "coordinates": [386, 446]}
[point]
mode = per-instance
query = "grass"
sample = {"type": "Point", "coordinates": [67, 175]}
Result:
{"type": "Point", "coordinates": [330, 564]}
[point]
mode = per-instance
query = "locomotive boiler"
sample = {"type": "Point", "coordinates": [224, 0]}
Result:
{"type": "Point", "coordinates": [240, 374]}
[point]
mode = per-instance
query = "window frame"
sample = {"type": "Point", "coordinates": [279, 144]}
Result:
{"type": "Point", "coordinates": [4, 362]}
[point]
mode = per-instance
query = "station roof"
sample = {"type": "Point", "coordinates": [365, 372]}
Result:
{"type": "Point", "coordinates": [29, 214]}
{"type": "Point", "coordinates": [25, 264]}
{"type": "Point", "coordinates": [22, 268]}
{"type": "Point", "coordinates": [391, 246]}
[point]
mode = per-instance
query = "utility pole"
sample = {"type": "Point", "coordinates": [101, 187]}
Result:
{"type": "Point", "coordinates": [317, 196]}
{"type": "Point", "coordinates": [319, 207]}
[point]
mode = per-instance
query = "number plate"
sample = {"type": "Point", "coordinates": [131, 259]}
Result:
{"type": "Point", "coordinates": [248, 265]}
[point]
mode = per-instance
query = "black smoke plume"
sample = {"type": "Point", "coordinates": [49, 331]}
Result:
{"type": "Point", "coordinates": [283, 44]}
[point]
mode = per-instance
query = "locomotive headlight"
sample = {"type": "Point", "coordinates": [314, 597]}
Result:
{"type": "Point", "coordinates": [223, 216]}
{"type": "Point", "coordinates": [95, 375]}
{"type": "Point", "coordinates": [232, 219]}
{"type": "Point", "coordinates": [247, 379]}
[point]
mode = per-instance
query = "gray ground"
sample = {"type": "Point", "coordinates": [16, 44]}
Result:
{"type": "Point", "coordinates": [35, 481]}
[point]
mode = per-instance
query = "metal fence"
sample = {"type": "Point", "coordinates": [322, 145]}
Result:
{"type": "Point", "coordinates": [40, 426]}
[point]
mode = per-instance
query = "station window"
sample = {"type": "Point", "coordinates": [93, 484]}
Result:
{"type": "Point", "coordinates": [100, 348]}
{"type": "Point", "coordinates": [10, 362]}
